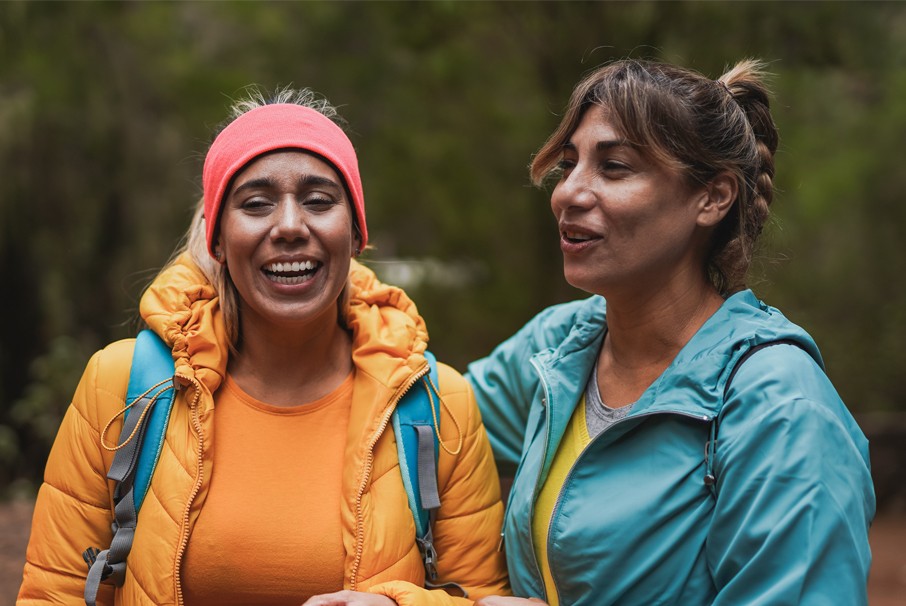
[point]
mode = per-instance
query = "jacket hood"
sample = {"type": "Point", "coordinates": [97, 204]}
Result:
{"type": "Point", "coordinates": [181, 305]}
{"type": "Point", "coordinates": [183, 308]}
{"type": "Point", "coordinates": [389, 337]}
{"type": "Point", "coordinates": [703, 366]}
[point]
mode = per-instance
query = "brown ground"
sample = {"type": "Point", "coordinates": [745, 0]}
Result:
{"type": "Point", "coordinates": [886, 587]}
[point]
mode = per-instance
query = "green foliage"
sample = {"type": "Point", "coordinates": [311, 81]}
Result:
{"type": "Point", "coordinates": [106, 110]}
{"type": "Point", "coordinates": [33, 419]}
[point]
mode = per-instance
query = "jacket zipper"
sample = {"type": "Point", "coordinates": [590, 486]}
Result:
{"type": "Point", "coordinates": [558, 502]}
{"type": "Point", "coordinates": [366, 476]}
{"type": "Point", "coordinates": [547, 436]}
{"type": "Point", "coordinates": [184, 541]}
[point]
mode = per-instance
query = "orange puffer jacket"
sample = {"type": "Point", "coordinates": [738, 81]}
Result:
{"type": "Point", "coordinates": [74, 505]}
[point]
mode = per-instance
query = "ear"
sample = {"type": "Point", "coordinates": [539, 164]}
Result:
{"type": "Point", "coordinates": [717, 199]}
{"type": "Point", "coordinates": [356, 242]}
{"type": "Point", "coordinates": [218, 252]}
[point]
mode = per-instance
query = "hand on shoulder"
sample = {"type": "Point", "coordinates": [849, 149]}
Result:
{"type": "Point", "coordinates": [498, 600]}
{"type": "Point", "coordinates": [349, 598]}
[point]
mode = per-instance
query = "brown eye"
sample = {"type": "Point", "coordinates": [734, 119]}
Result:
{"type": "Point", "coordinates": [320, 202]}
{"type": "Point", "coordinates": [612, 168]}
{"type": "Point", "coordinates": [564, 167]}
{"type": "Point", "coordinates": [256, 203]}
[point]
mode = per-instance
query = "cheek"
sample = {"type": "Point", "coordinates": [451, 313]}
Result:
{"type": "Point", "coordinates": [230, 233]}
{"type": "Point", "coordinates": [342, 233]}
{"type": "Point", "coordinates": [242, 235]}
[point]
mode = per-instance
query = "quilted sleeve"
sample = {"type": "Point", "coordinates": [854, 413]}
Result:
{"type": "Point", "coordinates": [467, 529]}
{"type": "Point", "coordinates": [74, 508]}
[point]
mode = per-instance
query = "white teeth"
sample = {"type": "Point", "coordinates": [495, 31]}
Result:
{"type": "Point", "coordinates": [574, 236]}
{"type": "Point", "coordinates": [287, 267]}
{"type": "Point", "coordinates": [291, 280]}
{"type": "Point", "coordinates": [297, 272]}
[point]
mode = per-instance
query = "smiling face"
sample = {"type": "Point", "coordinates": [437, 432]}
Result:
{"type": "Point", "coordinates": [286, 237]}
{"type": "Point", "coordinates": [626, 222]}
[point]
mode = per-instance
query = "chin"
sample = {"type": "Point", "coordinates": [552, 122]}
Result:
{"type": "Point", "coordinates": [580, 283]}
{"type": "Point", "coordinates": [590, 282]}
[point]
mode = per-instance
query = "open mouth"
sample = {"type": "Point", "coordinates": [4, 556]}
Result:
{"type": "Point", "coordinates": [296, 272]}
{"type": "Point", "coordinates": [575, 237]}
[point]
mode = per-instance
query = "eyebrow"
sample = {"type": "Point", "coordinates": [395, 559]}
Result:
{"type": "Point", "coordinates": [304, 181]}
{"type": "Point", "coordinates": [602, 145]}
{"type": "Point", "coordinates": [254, 184]}
{"type": "Point", "coordinates": [314, 180]}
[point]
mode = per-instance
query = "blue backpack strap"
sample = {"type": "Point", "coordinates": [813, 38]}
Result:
{"type": "Point", "coordinates": [152, 363]}
{"type": "Point", "coordinates": [150, 398]}
{"type": "Point", "coordinates": [417, 446]}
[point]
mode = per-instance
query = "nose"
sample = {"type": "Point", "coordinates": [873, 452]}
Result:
{"type": "Point", "coordinates": [575, 191]}
{"type": "Point", "coordinates": [289, 221]}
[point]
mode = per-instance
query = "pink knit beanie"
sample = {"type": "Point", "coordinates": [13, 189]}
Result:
{"type": "Point", "coordinates": [272, 127]}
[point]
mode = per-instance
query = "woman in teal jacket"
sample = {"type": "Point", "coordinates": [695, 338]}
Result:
{"type": "Point", "coordinates": [679, 444]}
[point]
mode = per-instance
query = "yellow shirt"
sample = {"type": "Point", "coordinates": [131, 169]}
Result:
{"type": "Point", "coordinates": [270, 532]}
{"type": "Point", "coordinates": [574, 442]}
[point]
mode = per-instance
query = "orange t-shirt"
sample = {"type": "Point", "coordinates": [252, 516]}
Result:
{"type": "Point", "coordinates": [270, 533]}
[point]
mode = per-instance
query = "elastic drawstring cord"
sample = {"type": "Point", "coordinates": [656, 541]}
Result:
{"type": "Point", "coordinates": [710, 453]}
{"type": "Point", "coordinates": [434, 414]}
{"type": "Point", "coordinates": [167, 385]}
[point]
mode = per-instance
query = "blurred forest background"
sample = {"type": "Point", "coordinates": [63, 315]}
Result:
{"type": "Point", "coordinates": [106, 110]}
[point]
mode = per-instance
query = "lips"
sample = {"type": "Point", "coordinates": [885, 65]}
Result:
{"type": "Point", "coordinates": [575, 239]}
{"type": "Point", "coordinates": [577, 233]}
{"type": "Point", "coordinates": [574, 236]}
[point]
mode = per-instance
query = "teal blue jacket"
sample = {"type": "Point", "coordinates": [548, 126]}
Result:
{"type": "Point", "coordinates": [786, 521]}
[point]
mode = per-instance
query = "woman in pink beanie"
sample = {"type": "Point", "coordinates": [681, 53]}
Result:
{"type": "Point", "coordinates": [279, 480]}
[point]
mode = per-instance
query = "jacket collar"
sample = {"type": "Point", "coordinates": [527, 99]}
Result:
{"type": "Point", "coordinates": [695, 380]}
{"type": "Point", "coordinates": [693, 383]}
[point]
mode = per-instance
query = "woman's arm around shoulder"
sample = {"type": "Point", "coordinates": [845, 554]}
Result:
{"type": "Point", "coordinates": [73, 508]}
{"type": "Point", "coordinates": [467, 528]}
{"type": "Point", "coordinates": [504, 382]}
{"type": "Point", "coordinates": [794, 496]}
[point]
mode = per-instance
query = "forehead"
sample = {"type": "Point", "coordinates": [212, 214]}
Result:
{"type": "Point", "coordinates": [596, 126]}
{"type": "Point", "coordinates": [288, 164]}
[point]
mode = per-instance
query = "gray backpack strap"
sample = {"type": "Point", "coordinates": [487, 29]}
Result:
{"type": "Point", "coordinates": [429, 497]}
{"type": "Point", "coordinates": [111, 563]}
{"type": "Point", "coordinates": [427, 468]}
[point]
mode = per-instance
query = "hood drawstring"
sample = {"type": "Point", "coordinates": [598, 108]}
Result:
{"type": "Point", "coordinates": [710, 478]}
{"type": "Point", "coordinates": [161, 387]}
{"type": "Point", "coordinates": [429, 387]}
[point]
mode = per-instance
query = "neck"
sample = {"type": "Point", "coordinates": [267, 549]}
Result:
{"type": "Point", "coordinates": [645, 332]}
{"type": "Point", "coordinates": [287, 366]}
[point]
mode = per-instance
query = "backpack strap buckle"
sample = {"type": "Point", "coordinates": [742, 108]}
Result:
{"type": "Point", "coordinates": [428, 553]}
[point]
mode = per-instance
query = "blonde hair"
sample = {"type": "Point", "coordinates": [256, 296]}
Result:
{"type": "Point", "coordinates": [218, 275]}
{"type": "Point", "coordinates": [702, 127]}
